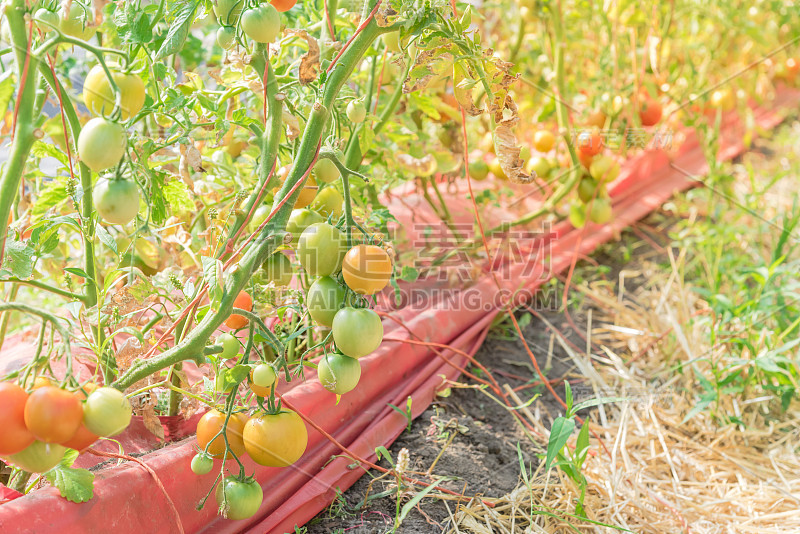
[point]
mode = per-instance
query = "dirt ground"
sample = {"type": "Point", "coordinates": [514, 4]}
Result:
{"type": "Point", "coordinates": [482, 457]}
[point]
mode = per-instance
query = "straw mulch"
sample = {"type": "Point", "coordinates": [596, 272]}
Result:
{"type": "Point", "coordinates": [653, 473]}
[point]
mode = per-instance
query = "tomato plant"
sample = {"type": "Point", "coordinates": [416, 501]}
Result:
{"type": "Point", "coordinates": [325, 297]}
{"type": "Point", "coordinates": [15, 435]}
{"type": "Point", "coordinates": [117, 201]}
{"type": "Point", "coordinates": [239, 499]}
{"type": "Point", "coordinates": [278, 269]}
{"type": "Point", "coordinates": [321, 249]}
{"type": "Point", "coordinates": [53, 415]}
{"type": "Point", "coordinates": [357, 331]}
{"type": "Point", "coordinates": [107, 412]}
{"type": "Point", "coordinates": [101, 144]}
{"type": "Point", "coordinates": [339, 373]}
{"type": "Point", "coordinates": [366, 269]}
{"type": "Point", "coordinates": [210, 436]}
{"type": "Point", "coordinates": [38, 457]}
{"type": "Point", "coordinates": [275, 440]}
{"type": "Point", "coordinates": [243, 301]}
{"type": "Point", "coordinates": [202, 464]}
{"type": "Point", "coordinates": [261, 23]}
{"type": "Point", "coordinates": [100, 98]}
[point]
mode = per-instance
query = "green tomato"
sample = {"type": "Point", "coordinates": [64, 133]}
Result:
{"type": "Point", "coordinates": [75, 23]}
{"type": "Point", "coordinates": [107, 412]}
{"type": "Point", "coordinates": [228, 11]}
{"type": "Point", "coordinates": [356, 111]}
{"type": "Point", "coordinates": [392, 41]}
{"type": "Point", "coordinates": [116, 201]}
{"type": "Point", "coordinates": [264, 375]}
{"type": "Point", "coordinates": [321, 249]}
{"type": "Point", "coordinates": [278, 269]}
{"type": "Point", "coordinates": [600, 210]}
{"type": "Point", "coordinates": [226, 37]}
{"type": "Point", "coordinates": [357, 332]}
{"type": "Point", "coordinates": [239, 499]}
{"type": "Point", "coordinates": [51, 19]}
{"type": "Point", "coordinates": [479, 170]}
{"type": "Point", "coordinates": [604, 169]}
{"type": "Point", "coordinates": [101, 144]}
{"type": "Point", "coordinates": [258, 217]}
{"type": "Point", "coordinates": [324, 299]}
{"type": "Point", "coordinates": [329, 202]}
{"type": "Point", "coordinates": [577, 214]}
{"type": "Point", "coordinates": [339, 373]}
{"type": "Point", "coordinates": [38, 457]}
{"type": "Point", "coordinates": [202, 464]}
{"type": "Point", "coordinates": [586, 189]}
{"type": "Point", "coordinates": [540, 166]}
{"type": "Point", "coordinates": [262, 23]}
{"type": "Point", "coordinates": [326, 171]}
{"type": "Point", "coordinates": [301, 219]}
{"type": "Point", "coordinates": [230, 345]}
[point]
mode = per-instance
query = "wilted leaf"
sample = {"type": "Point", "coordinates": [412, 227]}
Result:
{"type": "Point", "coordinates": [428, 65]}
{"type": "Point", "coordinates": [506, 117]}
{"type": "Point", "coordinates": [129, 351]}
{"type": "Point", "coordinates": [463, 82]}
{"type": "Point", "coordinates": [309, 62]}
{"type": "Point", "coordinates": [151, 420]}
{"type": "Point", "coordinates": [386, 15]}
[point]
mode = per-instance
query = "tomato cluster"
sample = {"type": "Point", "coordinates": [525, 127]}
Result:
{"type": "Point", "coordinates": [40, 426]}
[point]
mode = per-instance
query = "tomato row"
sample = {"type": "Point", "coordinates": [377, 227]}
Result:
{"type": "Point", "coordinates": [40, 426]}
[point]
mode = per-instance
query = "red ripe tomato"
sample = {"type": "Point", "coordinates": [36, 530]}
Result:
{"type": "Point", "coordinates": [211, 423]}
{"type": "Point", "coordinates": [53, 415]}
{"type": "Point", "coordinates": [14, 436]}
{"type": "Point", "coordinates": [283, 5]}
{"type": "Point", "coordinates": [243, 301]}
{"type": "Point", "coordinates": [366, 269]}
{"type": "Point", "coordinates": [650, 112]}
{"type": "Point", "coordinates": [590, 143]}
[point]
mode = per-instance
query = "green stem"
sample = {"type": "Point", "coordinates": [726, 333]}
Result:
{"type": "Point", "coordinates": [238, 276]}
{"type": "Point", "coordinates": [25, 118]}
{"type": "Point", "coordinates": [12, 295]}
{"type": "Point", "coordinates": [42, 285]}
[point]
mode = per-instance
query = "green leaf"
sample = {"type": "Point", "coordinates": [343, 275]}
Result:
{"type": "Point", "coordinates": [596, 402]}
{"type": "Point", "coordinates": [381, 451]}
{"type": "Point", "coordinates": [19, 259]}
{"type": "Point", "coordinates": [413, 502]}
{"type": "Point", "coordinates": [75, 485]}
{"type": "Point", "coordinates": [177, 195]}
{"type": "Point", "coordinates": [559, 435]}
{"type": "Point", "coordinates": [212, 273]}
{"type": "Point", "coordinates": [582, 444]}
{"type": "Point", "coordinates": [178, 29]}
{"type": "Point", "coordinates": [41, 149]}
{"type": "Point", "coordinates": [53, 194]}
{"type": "Point", "coordinates": [106, 239]}
{"type": "Point", "coordinates": [568, 397]}
{"type": "Point", "coordinates": [409, 274]}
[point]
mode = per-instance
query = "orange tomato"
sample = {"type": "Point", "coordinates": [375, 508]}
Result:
{"type": "Point", "coordinates": [366, 269]}
{"type": "Point", "coordinates": [589, 143]}
{"type": "Point", "coordinates": [243, 301]}
{"type": "Point", "coordinates": [596, 119]}
{"type": "Point", "coordinates": [53, 415]}
{"type": "Point", "coordinates": [14, 436]}
{"type": "Point", "coordinates": [211, 424]}
{"type": "Point", "coordinates": [283, 5]}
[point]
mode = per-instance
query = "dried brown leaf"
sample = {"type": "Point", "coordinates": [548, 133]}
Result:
{"type": "Point", "coordinates": [309, 62]}
{"type": "Point", "coordinates": [151, 421]}
{"type": "Point", "coordinates": [385, 15]}
{"type": "Point", "coordinates": [463, 81]}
